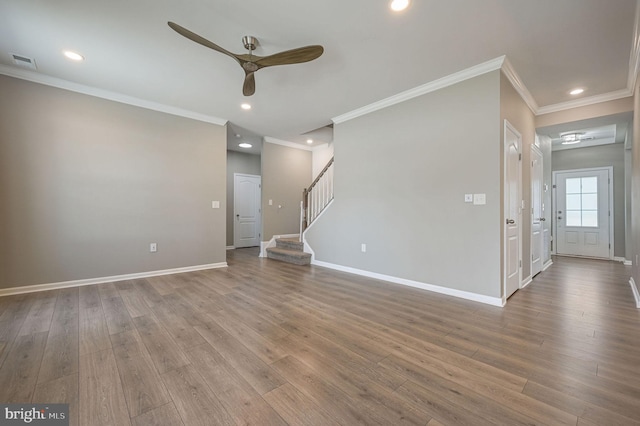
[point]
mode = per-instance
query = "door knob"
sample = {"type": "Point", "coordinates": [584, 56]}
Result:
{"type": "Point", "coordinates": [559, 217]}
{"type": "Point", "coordinates": [510, 221]}
{"type": "Point", "coordinates": [238, 216]}
{"type": "Point", "coordinates": [542, 219]}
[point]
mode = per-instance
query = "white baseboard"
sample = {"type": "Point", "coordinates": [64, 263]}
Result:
{"type": "Point", "coordinates": [526, 281]}
{"type": "Point", "coordinates": [101, 280]}
{"type": "Point", "coordinates": [623, 260]}
{"type": "Point", "coordinates": [547, 264]}
{"type": "Point", "coordinates": [634, 289]}
{"type": "Point", "coordinates": [231, 247]}
{"type": "Point", "coordinates": [495, 301]}
{"type": "Point", "coordinates": [628, 262]}
{"type": "Point", "coordinates": [264, 245]}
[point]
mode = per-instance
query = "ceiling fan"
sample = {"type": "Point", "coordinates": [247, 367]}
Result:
{"type": "Point", "coordinates": [251, 63]}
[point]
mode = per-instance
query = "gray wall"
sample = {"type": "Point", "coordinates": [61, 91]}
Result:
{"type": "Point", "coordinates": [238, 162]}
{"type": "Point", "coordinates": [285, 173]}
{"type": "Point", "coordinates": [635, 189]}
{"type": "Point", "coordinates": [601, 156]}
{"type": "Point", "coordinates": [400, 178]}
{"type": "Point", "coordinates": [86, 184]}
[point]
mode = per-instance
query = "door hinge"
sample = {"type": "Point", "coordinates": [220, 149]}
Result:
{"type": "Point", "coordinates": [553, 186]}
{"type": "Point", "coordinates": [519, 157]}
{"type": "Point", "coordinates": [521, 263]}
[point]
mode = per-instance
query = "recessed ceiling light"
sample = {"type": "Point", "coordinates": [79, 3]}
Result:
{"type": "Point", "coordinates": [245, 106]}
{"type": "Point", "coordinates": [73, 55]}
{"type": "Point", "coordinates": [309, 141]}
{"type": "Point", "coordinates": [399, 5]}
{"type": "Point", "coordinates": [245, 145]}
{"type": "Point", "coordinates": [576, 91]}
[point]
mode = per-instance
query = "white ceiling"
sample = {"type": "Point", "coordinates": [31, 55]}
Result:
{"type": "Point", "coordinates": [370, 54]}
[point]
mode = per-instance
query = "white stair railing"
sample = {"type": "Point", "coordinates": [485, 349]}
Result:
{"type": "Point", "coordinates": [317, 196]}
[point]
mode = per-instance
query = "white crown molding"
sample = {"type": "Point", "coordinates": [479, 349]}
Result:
{"type": "Point", "coordinates": [517, 83]}
{"type": "Point", "coordinates": [101, 280]}
{"type": "Point", "coordinates": [591, 100]}
{"type": "Point", "coordinates": [47, 80]}
{"type": "Point", "coordinates": [432, 86]}
{"type": "Point", "coordinates": [494, 301]}
{"type": "Point", "coordinates": [634, 59]}
{"type": "Point", "coordinates": [269, 139]}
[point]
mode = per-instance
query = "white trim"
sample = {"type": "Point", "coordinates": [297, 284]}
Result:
{"type": "Point", "coordinates": [526, 282]}
{"type": "Point", "coordinates": [618, 259]}
{"type": "Point", "coordinates": [547, 264]}
{"type": "Point", "coordinates": [231, 247]}
{"type": "Point", "coordinates": [554, 202]}
{"type": "Point", "coordinates": [628, 262]}
{"type": "Point", "coordinates": [432, 86]}
{"type": "Point", "coordinates": [264, 245]}
{"type": "Point", "coordinates": [517, 83]}
{"type": "Point", "coordinates": [47, 80]}
{"type": "Point", "coordinates": [269, 139]}
{"type": "Point", "coordinates": [101, 280]}
{"type": "Point", "coordinates": [634, 289]}
{"type": "Point", "coordinates": [591, 100]}
{"type": "Point", "coordinates": [494, 301]}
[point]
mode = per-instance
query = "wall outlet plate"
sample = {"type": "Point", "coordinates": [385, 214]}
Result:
{"type": "Point", "coordinates": [153, 247]}
{"type": "Point", "coordinates": [468, 198]}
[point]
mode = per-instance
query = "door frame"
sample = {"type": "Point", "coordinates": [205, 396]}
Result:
{"type": "Point", "coordinates": [510, 127]}
{"type": "Point", "coordinates": [538, 151]}
{"type": "Point", "coordinates": [554, 194]}
{"type": "Point", "coordinates": [259, 215]}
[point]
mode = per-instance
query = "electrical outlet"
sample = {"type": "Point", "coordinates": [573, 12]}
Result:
{"type": "Point", "coordinates": [468, 198]}
{"type": "Point", "coordinates": [153, 247]}
{"type": "Point", "coordinates": [215, 204]}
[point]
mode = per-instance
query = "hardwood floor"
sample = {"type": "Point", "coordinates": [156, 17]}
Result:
{"type": "Point", "coordinates": [267, 343]}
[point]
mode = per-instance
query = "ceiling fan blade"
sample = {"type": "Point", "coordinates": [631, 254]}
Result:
{"type": "Point", "coordinates": [293, 56]}
{"type": "Point", "coordinates": [249, 86]}
{"type": "Point", "coordinates": [200, 40]}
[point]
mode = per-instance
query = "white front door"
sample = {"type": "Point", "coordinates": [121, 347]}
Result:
{"type": "Point", "coordinates": [512, 209]}
{"type": "Point", "coordinates": [537, 213]}
{"type": "Point", "coordinates": [583, 225]}
{"type": "Point", "coordinates": [246, 210]}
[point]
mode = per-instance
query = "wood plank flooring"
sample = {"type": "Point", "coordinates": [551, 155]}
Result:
{"type": "Point", "coordinates": [268, 343]}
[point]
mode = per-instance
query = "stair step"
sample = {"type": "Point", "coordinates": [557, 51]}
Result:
{"type": "Point", "coordinates": [290, 256]}
{"type": "Point", "coordinates": [290, 244]}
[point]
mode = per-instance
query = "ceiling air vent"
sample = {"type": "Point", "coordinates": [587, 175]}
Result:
{"type": "Point", "coordinates": [24, 61]}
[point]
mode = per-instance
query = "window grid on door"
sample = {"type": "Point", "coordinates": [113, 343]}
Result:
{"type": "Point", "coordinates": [582, 202]}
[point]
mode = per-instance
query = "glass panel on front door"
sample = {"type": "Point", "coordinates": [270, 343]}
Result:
{"type": "Point", "coordinates": [582, 202]}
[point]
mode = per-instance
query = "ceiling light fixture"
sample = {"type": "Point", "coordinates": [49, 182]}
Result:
{"type": "Point", "coordinates": [245, 106]}
{"type": "Point", "coordinates": [309, 141]}
{"type": "Point", "coordinates": [73, 55]}
{"type": "Point", "coordinates": [571, 138]}
{"type": "Point", "coordinates": [399, 5]}
{"type": "Point", "coordinates": [576, 91]}
{"type": "Point", "coordinates": [245, 145]}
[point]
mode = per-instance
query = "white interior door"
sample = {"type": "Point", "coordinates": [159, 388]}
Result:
{"type": "Point", "coordinates": [512, 209]}
{"type": "Point", "coordinates": [246, 209]}
{"type": "Point", "coordinates": [583, 216]}
{"type": "Point", "coordinates": [537, 211]}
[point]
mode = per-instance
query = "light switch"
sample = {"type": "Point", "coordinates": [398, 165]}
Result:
{"type": "Point", "coordinates": [215, 204]}
{"type": "Point", "coordinates": [479, 199]}
{"type": "Point", "coordinates": [468, 198]}
{"type": "Point", "coordinates": [270, 202]}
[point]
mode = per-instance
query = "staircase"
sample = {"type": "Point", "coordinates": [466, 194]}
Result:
{"type": "Point", "coordinates": [289, 250]}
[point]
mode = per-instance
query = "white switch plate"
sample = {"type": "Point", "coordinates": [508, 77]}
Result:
{"type": "Point", "coordinates": [270, 202]}
{"type": "Point", "coordinates": [468, 198]}
{"type": "Point", "coordinates": [479, 199]}
{"type": "Point", "coordinates": [215, 204]}
{"type": "Point", "coordinates": [363, 248]}
{"type": "Point", "coordinates": [153, 247]}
